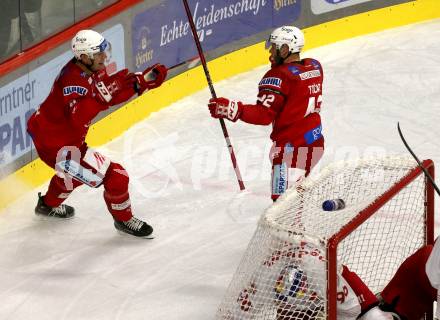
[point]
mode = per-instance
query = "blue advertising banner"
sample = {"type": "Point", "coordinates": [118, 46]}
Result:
{"type": "Point", "coordinates": [324, 6]}
{"type": "Point", "coordinates": [162, 33]}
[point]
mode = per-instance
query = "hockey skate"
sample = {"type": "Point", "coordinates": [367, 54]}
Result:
{"type": "Point", "coordinates": [135, 227]}
{"type": "Point", "coordinates": [61, 212]}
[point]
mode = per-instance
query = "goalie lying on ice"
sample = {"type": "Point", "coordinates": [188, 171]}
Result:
{"type": "Point", "coordinates": [290, 284]}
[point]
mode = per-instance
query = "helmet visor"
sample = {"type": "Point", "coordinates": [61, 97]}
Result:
{"type": "Point", "coordinates": [106, 48]}
{"type": "Point", "coordinates": [103, 46]}
{"type": "Point", "coordinates": [268, 43]}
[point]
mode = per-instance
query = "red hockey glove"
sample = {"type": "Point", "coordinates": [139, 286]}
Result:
{"type": "Point", "coordinates": [123, 80]}
{"type": "Point", "coordinates": [110, 87]}
{"type": "Point", "coordinates": [129, 81]}
{"type": "Point", "coordinates": [151, 78]}
{"type": "Point", "coordinates": [224, 108]}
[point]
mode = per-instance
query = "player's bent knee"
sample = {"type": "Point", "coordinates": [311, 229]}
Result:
{"type": "Point", "coordinates": [116, 179]}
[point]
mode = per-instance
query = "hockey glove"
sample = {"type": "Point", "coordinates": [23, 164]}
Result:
{"type": "Point", "coordinates": [224, 108]}
{"type": "Point", "coordinates": [151, 78]}
{"type": "Point", "coordinates": [110, 87]}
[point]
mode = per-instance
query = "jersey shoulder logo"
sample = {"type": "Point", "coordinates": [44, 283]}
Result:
{"type": "Point", "coordinates": [294, 70]}
{"type": "Point", "coordinates": [75, 89]}
{"type": "Point", "coordinates": [315, 63]}
{"type": "Point", "coordinates": [271, 81]}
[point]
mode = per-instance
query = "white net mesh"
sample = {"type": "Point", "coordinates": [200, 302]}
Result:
{"type": "Point", "coordinates": [283, 275]}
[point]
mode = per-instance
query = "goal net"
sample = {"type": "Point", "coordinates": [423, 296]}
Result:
{"type": "Point", "coordinates": [289, 270]}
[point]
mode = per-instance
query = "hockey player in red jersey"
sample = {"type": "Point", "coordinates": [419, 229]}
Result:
{"type": "Point", "coordinates": [413, 289]}
{"type": "Point", "coordinates": [356, 301]}
{"type": "Point", "coordinates": [59, 128]}
{"type": "Point", "coordinates": [408, 296]}
{"type": "Point", "coordinates": [289, 98]}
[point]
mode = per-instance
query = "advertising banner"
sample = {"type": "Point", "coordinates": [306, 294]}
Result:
{"type": "Point", "coordinates": [162, 34]}
{"type": "Point", "coordinates": [324, 6]}
{"type": "Point", "coordinates": [21, 97]}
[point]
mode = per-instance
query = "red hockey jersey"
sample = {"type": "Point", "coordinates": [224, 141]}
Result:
{"type": "Point", "coordinates": [290, 97]}
{"type": "Point", "coordinates": [413, 289]}
{"type": "Point", "coordinates": [63, 119]}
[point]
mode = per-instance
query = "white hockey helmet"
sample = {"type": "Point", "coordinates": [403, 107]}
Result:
{"type": "Point", "coordinates": [301, 281]}
{"type": "Point", "coordinates": [88, 42]}
{"type": "Point", "coordinates": [288, 35]}
{"type": "Point", "coordinates": [292, 282]}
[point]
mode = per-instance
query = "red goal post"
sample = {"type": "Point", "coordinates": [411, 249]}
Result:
{"type": "Point", "coordinates": [289, 270]}
{"type": "Point", "coordinates": [333, 242]}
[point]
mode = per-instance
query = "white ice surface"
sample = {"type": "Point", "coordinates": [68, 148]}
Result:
{"type": "Point", "coordinates": [182, 184]}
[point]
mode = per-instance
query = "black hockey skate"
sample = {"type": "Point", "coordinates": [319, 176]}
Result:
{"type": "Point", "coordinates": [135, 227]}
{"type": "Point", "coordinates": [62, 212]}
